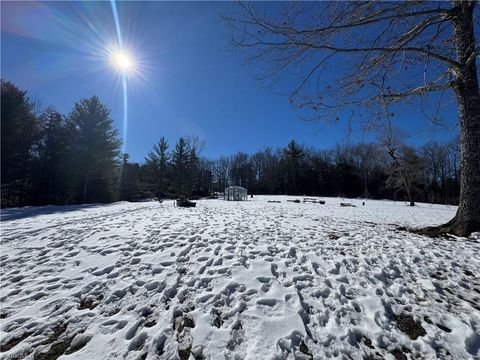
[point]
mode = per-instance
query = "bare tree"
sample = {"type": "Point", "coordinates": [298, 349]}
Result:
{"type": "Point", "coordinates": [194, 143]}
{"type": "Point", "coordinates": [367, 156]}
{"type": "Point", "coordinates": [240, 169]}
{"type": "Point", "coordinates": [385, 52]}
{"type": "Point", "coordinates": [393, 142]}
{"type": "Point", "coordinates": [454, 154]}
{"type": "Point", "coordinates": [436, 171]}
{"type": "Point", "coordinates": [221, 169]}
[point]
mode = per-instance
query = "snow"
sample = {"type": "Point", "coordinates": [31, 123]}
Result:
{"type": "Point", "coordinates": [237, 280]}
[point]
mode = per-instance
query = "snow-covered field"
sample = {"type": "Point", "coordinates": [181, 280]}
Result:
{"type": "Point", "coordinates": [237, 280]}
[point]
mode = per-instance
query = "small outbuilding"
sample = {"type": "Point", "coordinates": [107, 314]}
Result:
{"type": "Point", "coordinates": [235, 193]}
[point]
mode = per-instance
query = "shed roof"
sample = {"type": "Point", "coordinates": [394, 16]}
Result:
{"type": "Point", "coordinates": [236, 187]}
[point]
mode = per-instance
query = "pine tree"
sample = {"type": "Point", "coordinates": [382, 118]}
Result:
{"type": "Point", "coordinates": [19, 135]}
{"type": "Point", "coordinates": [95, 150]}
{"type": "Point", "coordinates": [157, 165]}
{"type": "Point", "coordinates": [52, 180]}
{"type": "Point", "coordinates": [180, 160]}
{"type": "Point", "coordinates": [293, 155]}
{"type": "Point", "coordinates": [193, 171]}
{"type": "Point", "coordinates": [129, 183]}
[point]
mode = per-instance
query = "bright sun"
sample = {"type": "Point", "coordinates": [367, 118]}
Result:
{"type": "Point", "coordinates": [122, 61]}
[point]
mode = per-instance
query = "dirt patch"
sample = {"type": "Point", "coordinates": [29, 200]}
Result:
{"type": "Point", "coordinates": [409, 326]}
{"type": "Point", "coordinates": [188, 323]}
{"type": "Point", "coordinates": [217, 321]}
{"type": "Point", "coordinates": [398, 354]}
{"type": "Point", "coordinates": [14, 342]}
{"type": "Point", "coordinates": [58, 347]}
{"type": "Point", "coordinates": [90, 303]}
{"type": "Point", "coordinates": [57, 332]}
{"type": "Point", "coordinates": [184, 354]}
{"type": "Point", "coordinates": [181, 323]}
{"type": "Point", "coordinates": [217, 318]}
{"type": "Point", "coordinates": [368, 342]}
{"type": "Point", "coordinates": [150, 323]}
{"type": "Point", "coordinates": [333, 236]}
{"type": "Point", "coordinates": [304, 349]}
{"type": "Point", "coordinates": [55, 351]}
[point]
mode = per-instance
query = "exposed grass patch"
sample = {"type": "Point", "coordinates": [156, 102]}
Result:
{"type": "Point", "coordinates": [409, 326]}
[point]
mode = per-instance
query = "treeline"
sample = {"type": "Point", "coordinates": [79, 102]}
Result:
{"type": "Point", "coordinates": [430, 173]}
{"type": "Point", "coordinates": [50, 158]}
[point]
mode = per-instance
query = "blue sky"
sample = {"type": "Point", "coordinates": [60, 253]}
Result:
{"type": "Point", "coordinates": [187, 82]}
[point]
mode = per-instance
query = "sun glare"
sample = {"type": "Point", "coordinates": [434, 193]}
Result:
{"type": "Point", "coordinates": [122, 61]}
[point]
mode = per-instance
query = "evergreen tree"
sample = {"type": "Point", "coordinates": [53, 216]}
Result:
{"type": "Point", "coordinates": [129, 180]}
{"type": "Point", "coordinates": [157, 166]}
{"type": "Point", "coordinates": [193, 171]}
{"type": "Point", "coordinates": [293, 155]}
{"type": "Point", "coordinates": [51, 159]}
{"type": "Point", "coordinates": [94, 150]}
{"type": "Point", "coordinates": [19, 134]}
{"type": "Point", "coordinates": [52, 179]}
{"type": "Point", "coordinates": [180, 163]}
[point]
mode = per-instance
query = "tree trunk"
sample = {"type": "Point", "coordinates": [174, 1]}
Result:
{"type": "Point", "coordinates": [467, 218]}
{"type": "Point", "coordinates": [404, 176]}
{"type": "Point", "coordinates": [85, 187]}
{"type": "Point", "coordinates": [409, 192]}
{"type": "Point", "coordinates": [407, 188]}
{"type": "Point", "coordinates": [365, 186]}
{"type": "Point", "coordinates": [294, 180]}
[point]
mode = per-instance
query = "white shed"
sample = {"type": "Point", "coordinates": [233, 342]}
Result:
{"type": "Point", "coordinates": [235, 193]}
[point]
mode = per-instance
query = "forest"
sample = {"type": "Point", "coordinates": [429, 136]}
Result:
{"type": "Point", "coordinates": [51, 158]}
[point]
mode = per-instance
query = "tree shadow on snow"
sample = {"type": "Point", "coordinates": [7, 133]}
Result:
{"type": "Point", "coordinates": [27, 212]}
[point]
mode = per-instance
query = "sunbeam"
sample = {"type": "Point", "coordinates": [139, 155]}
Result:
{"type": "Point", "coordinates": [124, 63]}
{"type": "Point", "coordinates": [125, 112]}
{"type": "Point", "coordinates": [117, 22]}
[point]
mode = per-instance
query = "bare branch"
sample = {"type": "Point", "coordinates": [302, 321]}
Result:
{"type": "Point", "coordinates": [418, 91]}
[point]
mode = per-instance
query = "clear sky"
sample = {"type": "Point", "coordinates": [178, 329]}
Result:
{"type": "Point", "coordinates": [187, 82]}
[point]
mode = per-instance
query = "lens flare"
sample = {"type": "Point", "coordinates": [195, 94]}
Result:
{"type": "Point", "coordinates": [122, 61]}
